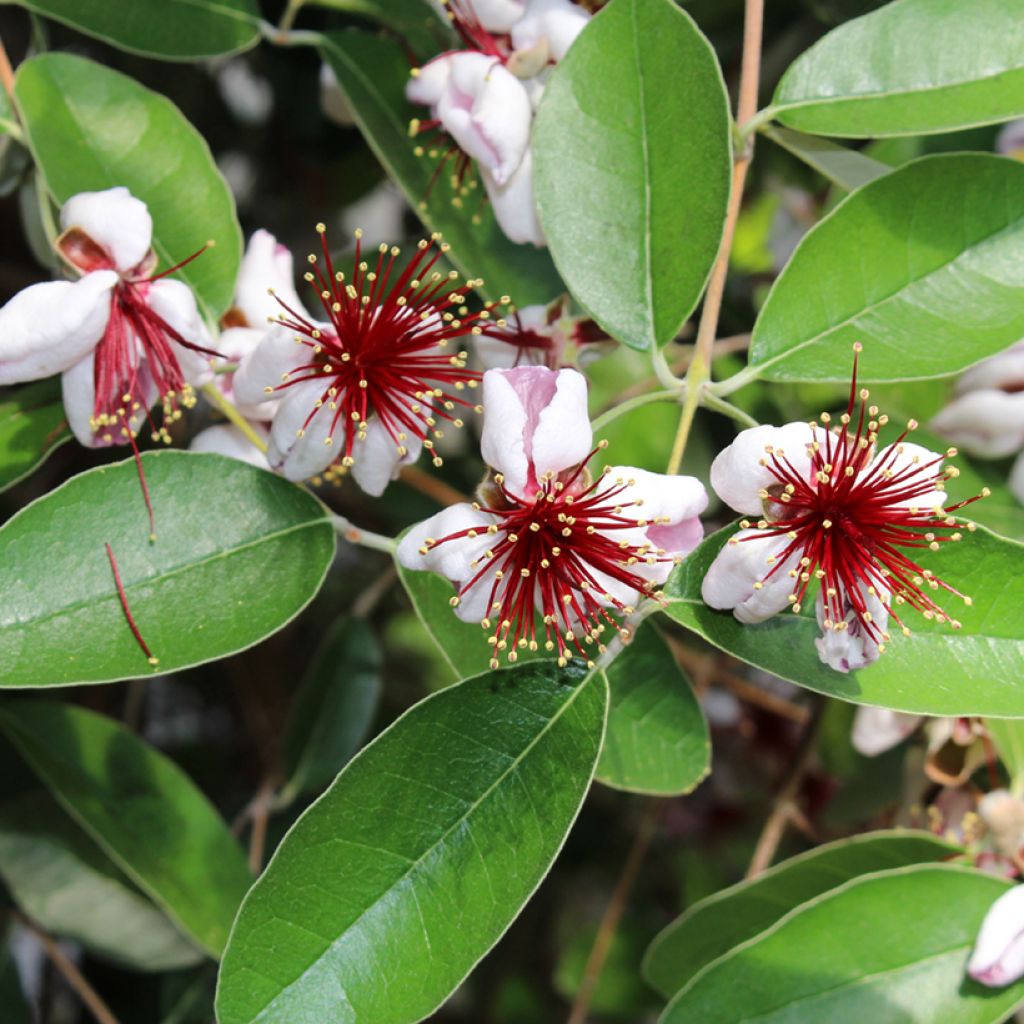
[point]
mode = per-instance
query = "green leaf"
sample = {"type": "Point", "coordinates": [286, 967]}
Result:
{"type": "Point", "coordinates": [633, 168]}
{"type": "Point", "coordinates": [936, 671]}
{"type": "Point", "coordinates": [416, 21]}
{"type": "Point", "coordinates": [921, 265]}
{"type": "Point", "coordinates": [910, 68]}
{"type": "Point", "coordinates": [65, 883]}
{"type": "Point", "coordinates": [91, 128]}
{"type": "Point", "coordinates": [239, 552]}
{"type": "Point", "coordinates": [142, 810]}
{"type": "Point", "coordinates": [394, 884]}
{"type": "Point", "coordinates": [373, 73]}
{"type": "Point", "coordinates": [887, 947]}
{"type": "Point", "coordinates": [12, 999]}
{"type": "Point", "coordinates": [843, 167]}
{"type": "Point", "coordinates": [170, 29]}
{"type": "Point", "coordinates": [1008, 737]}
{"type": "Point", "coordinates": [657, 739]}
{"type": "Point", "coordinates": [32, 426]}
{"type": "Point", "coordinates": [333, 709]}
{"type": "Point", "coordinates": [720, 922]}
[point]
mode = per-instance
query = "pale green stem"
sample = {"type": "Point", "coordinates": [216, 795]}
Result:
{"type": "Point", "coordinates": [728, 409]}
{"type": "Point", "coordinates": [663, 371]}
{"type": "Point", "coordinates": [289, 16]}
{"type": "Point", "coordinates": [364, 538]}
{"type": "Point", "coordinates": [225, 407]}
{"type": "Point", "coordinates": [746, 376]}
{"type": "Point", "coordinates": [635, 403]}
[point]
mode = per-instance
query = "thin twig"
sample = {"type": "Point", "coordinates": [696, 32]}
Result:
{"type": "Point", "coordinates": [613, 915]}
{"type": "Point", "coordinates": [438, 490]}
{"type": "Point", "coordinates": [784, 806]}
{"type": "Point", "coordinates": [71, 974]}
{"type": "Point", "coordinates": [364, 538]}
{"type": "Point", "coordinates": [228, 410]}
{"type": "Point", "coordinates": [259, 811]}
{"type": "Point", "coordinates": [700, 369]}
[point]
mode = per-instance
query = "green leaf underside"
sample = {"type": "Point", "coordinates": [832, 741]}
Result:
{"type": "Point", "coordinates": [843, 167]}
{"type": "Point", "coordinates": [66, 884]}
{"type": "Point", "coordinates": [633, 206]}
{"type": "Point", "coordinates": [334, 707]}
{"type": "Point", "coordinates": [913, 67]}
{"type": "Point", "coordinates": [373, 73]}
{"type": "Point", "coordinates": [720, 922]}
{"type": "Point", "coordinates": [91, 128]}
{"type": "Point", "coordinates": [921, 266]}
{"type": "Point", "coordinates": [975, 670]}
{"type": "Point", "coordinates": [856, 954]}
{"type": "Point", "coordinates": [416, 21]}
{"type": "Point", "coordinates": [657, 739]}
{"type": "Point", "coordinates": [141, 809]}
{"type": "Point", "coordinates": [392, 886]}
{"type": "Point", "coordinates": [223, 573]}
{"type": "Point", "coordinates": [172, 29]}
{"type": "Point", "coordinates": [32, 425]}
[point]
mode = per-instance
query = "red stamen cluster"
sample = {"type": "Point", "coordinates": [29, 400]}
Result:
{"type": "Point", "coordinates": [382, 349]}
{"type": "Point", "coordinates": [546, 551]}
{"type": "Point", "coordinates": [850, 520]}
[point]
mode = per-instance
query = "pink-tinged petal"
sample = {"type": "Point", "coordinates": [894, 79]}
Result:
{"type": "Point", "coordinates": [998, 957]}
{"type": "Point", "coordinates": [227, 439]}
{"type": "Point", "coordinates": [512, 403]}
{"type": "Point", "coordinates": [497, 354]}
{"type": "Point", "coordinates": [266, 265]}
{"type": "Point", "coordinates": [1017, 479]}
{"type": "Point", "coordinates": [563, 437]}
{"type": "Point", "coordinates": [730, 580]}
{"type": "Point", "coordinates": [114, 220]}
{"type": "Point", "coordinates": [498, 15]}
{"type": "Point", "coordinates": [487, 112]}
{"type": "Point", "coordinates": [428, 83]}
{"type": "Point", "coordinates": [913, 466]}
{"type": "Point", "coordinates": [1010, 140]}
{"type": "Point", "coordinates": [989, 423]}
{"type": "Point", "coordinates": [174, 302]}
{"type": "Point", "coordinates": [852, 647]}
{"type": "Point", "coordinates": [377, 459]}
{"type": "Point", "coordinates": [737, 474]}
{"type": "Point", "coordinates": [47, 328]}
{"type": "Point", "coordinates": [300, 457]}
{"type": "Point", "coordinates": [513, 204]}
{"type": "Point", "coordinates": [557, 21]}
{"type": "Point", "coordinates": [876, 730]}
{"type": "Point", "coordinates": [1002, 372]}
{"type": "Point", "coordinates": [265, 365]}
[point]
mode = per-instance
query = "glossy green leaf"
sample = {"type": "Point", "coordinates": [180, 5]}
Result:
{"type": "Point", "coordinates": [373, 73]}
{"type": "Point", "coordinates": [844, 167]}
{"type": "Point", "coordinates": [142, 810]}
{"type": "Point", "coordinates": [392, 886]}
{"type": "Point", "coordinates": [239, 552]}
{"type": "Point", "coordinates": [890, 947]}
{"type": "Point", "coordinates": [32, 425]}
{"type": "Point", "coordinates": [171, 29]}
{"type": "Point", "coordinates": [720, 922]}
{"type": "Point", "coordinates": [1008, 737]}
{"type": "Point", "coordinates": [91, 128]}
{"type": "Point", "coordinates": [333, 709]}
{"type": "Point", "coordinates": [633, 166]}
{"type": "Point", "coordinates": [64, 882]}
{"type": "Point", "coordinates": [975, 670]}
{"type": "Point", "coordinates": [657, 739]}
{"type": "Point", "coordinates": [922, 266]}
{"type": "Point", "coordinates": [912, 67]}
{"type": "Point", "coordinates": [416, 21]}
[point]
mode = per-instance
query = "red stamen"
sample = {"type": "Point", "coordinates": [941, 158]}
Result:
{"type": "Point", "coordinates": [127, 611]}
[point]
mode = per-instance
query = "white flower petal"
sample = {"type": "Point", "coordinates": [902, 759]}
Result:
{"type": "Point", "coordinates": [264, 366]}
{"type": "Point", "coordinates": [876, 730]}
{"type": "Point", "coordinates": [116, 221]}
{"type": "Point", "coordinates": [1010, 140]}
{"type": "Point", "coordinates": [428, 83]}
{"type": "Point", "coordinates": [174, 302]}
{"type": "Point", "coordinates": [47, 328]}
{"type": "Point", "coordinates": [333, 102]}
{"type": "Point", "coordinates": [987, 422]}
{"type": "Point", "coordinates": [1017, 478]}
{"type": "Point", "coordinates": [923, 473]}
{"type": "Point", "coordinates": [729, 583]}
{"type": "Point", "coordinates": [79, 394]}
{"type": "Point", "coordinates": [377, 459]}
{"type": "Point", "coordinates": [267, 265]}
{"type": "Point", "coordinates": [227, 439]}
{"type": "Point", "coordinates": [557, 21]}
{"type": "Point", "coordinates": [299, 458]}
{"type": "Point", "coordinates": [737, 474]}
{"type": "Point", "coordinates": [1004, 371]}
{"type": "Point", "coordinates": [852, 648]}
{"type": "Point", "coordinates": [513, 204]}
{"type": "Point", "coordinates": [498, 15]}
{"type": "Point", "coordinates": [998, 957]}
{"type": "Point", "coordinates": [563, 436]}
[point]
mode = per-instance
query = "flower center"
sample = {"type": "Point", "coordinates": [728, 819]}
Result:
{"type": "Point", "coordinates": [383, 350]}
{"type": "Point", "coordinates": [558, 554]}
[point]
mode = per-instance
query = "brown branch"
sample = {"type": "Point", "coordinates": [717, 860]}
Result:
{"type": "Point", "coordinates": [612, 916]}
{"type": "Point", "coordinates": [71, 974]}
{"type": "Point", "coordinates": [438, 490]}
{"type": "Point", "coordinates": [259, 812]}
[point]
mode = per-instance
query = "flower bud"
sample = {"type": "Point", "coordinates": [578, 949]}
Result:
{"type": "Point", "coordinates": [998, 957]}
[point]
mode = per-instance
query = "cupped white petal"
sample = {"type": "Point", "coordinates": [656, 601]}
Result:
{"type": "Point", "coordinates": [78, 390]}
{"type": "Point", "coordinates": [1004, 372]}
{"type": "Point", "coordinates": [47, 328]}
{"type": "Point", "coordinates": [558, 22]}
{"type": "Point", "coordinates": [741, 471]}
{"type": "Point", "coordinates": [377, 458]}
{"type": "Point", "coordinates": [298, 446]}
{"type": "Point", "coordinates": [175, 303]}
{"type": "Point", "coordinates": [747, 560]}
{"type": "Point", "coordinates": [915, 467]}
{"type": "Point", "coordinates": [876, 730]}
{"type": "Point", "coordinates": [265, 365]}
{"type": "Point", "coordinates": [115, 220]}
{"type": "Point", "coordinates": [513, 204]}
{"type": "Point", "coordinates": [266, 266]}
{"type": "Point", "coordinates": [498, 15]}
{"type": "Point", "coordinates": [563, 436]}
{"type": "Point", "coordinates": [986, 422]}
{"type": "Point", "coordinates": [428, 83]}
{"type": "Point", "coordinates": [227, 439]}
{"type": "Point", "coordinates": [998, 957]}
{"type": "Point", "coordinates": [852, 646]}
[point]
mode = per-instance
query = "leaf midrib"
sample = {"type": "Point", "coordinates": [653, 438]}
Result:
{"type": "Point", "coordinates": [586, 681]}
{"type": "Point", "coordinates": [645, 157]}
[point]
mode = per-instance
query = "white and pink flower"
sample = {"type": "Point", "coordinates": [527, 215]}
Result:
{"type": "Point", "coordinates": [122, 336]}
{"type": "Point", "coordinates": [545, 538]}
{"type": "Point", "coordinates": [834, 508]}
{"type": "Point", "coordinates": [998, 957]}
